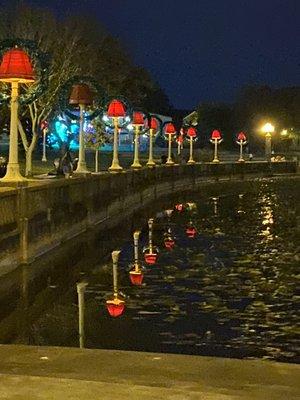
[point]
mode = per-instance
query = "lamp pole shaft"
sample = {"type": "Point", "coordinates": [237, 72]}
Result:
{"type": "Point", "coordinates": [115, 166]}
{"type": "Point", "coordinates": [97, 160]}
{"type": "Point", "coordinates": [81, 166]}
{"type": "Point", "coordinates": [136, 162]}
{"type": "Point", "coordinates": [191, 160]}
{"type": "Point", "coordinates": [216, 151]}
{"type": "Point", "coordinates": [169, 160]}
{"type": "Point", "coordinates": [268, 146]}
{"type": "Point", "coordinates": [44, 158]}
{"type": "Point", "coordinates": [13, 168]}
{"type": "Point", "coordinates": [81, 308]}
{"type": "Point", "coordinates": [151, 162]}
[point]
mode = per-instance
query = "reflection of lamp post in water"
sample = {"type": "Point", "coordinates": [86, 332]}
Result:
{"type": "Point", "coordinates": [150, 252]}
{"type": "Point", "coordinates": [81, 286]}
{"type": "Point", "coordinates": [15, 68]}
{"type": "Point", "coordinates": [116, 305]}
{"type": "Point", "coordinates": [136, 275]}
{"type": "Point", "coordinates": [268, 129]}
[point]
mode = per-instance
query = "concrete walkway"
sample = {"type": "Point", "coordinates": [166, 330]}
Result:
{"type": "Point", "coordinates": [40, 373]}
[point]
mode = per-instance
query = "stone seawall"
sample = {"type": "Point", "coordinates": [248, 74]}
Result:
{"type": "Point", "coordinates": [39, 217]}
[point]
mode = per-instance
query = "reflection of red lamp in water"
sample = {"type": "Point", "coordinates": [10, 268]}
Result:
{"type": "Point", "coordinates": [150, 252]}
{"type": "Point", "coordinates": [116, 305]}
{"type": "Point", "coordinates": [191, 231]}
{"type": "Point", "coordinates": [136, 275]}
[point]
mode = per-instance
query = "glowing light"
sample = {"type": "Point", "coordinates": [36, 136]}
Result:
{"type": "Point", "coordinates": [268, 128]}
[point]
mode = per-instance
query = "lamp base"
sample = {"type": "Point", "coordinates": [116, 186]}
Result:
{"type": "Point", "coordinates": [136, 165]}
{"type": "Point", "coordinates": [115, 168]}
{"type": "Point", "coordinates": [13, 174]}
{"type": "Point", "coordinates": [170, 162]}
{"type": "Point", "coordinates": [191, 162]}
{"type": "Point", "coordinates": [215, 160]}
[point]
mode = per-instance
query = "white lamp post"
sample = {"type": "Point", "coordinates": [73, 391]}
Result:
{"type": "Point", "coordinates": [268, 129]}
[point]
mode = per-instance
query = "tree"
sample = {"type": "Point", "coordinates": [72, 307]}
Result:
{"type": "Point", "coordinates": [78, 46]}
{"type": "Point", "coordinates": [96, 137]}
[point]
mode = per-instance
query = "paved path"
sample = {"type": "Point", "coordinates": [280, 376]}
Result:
{"type": "Point", "coordinates": [44, 373]}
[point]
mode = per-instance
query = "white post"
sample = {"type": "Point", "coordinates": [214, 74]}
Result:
{"type": "Point", "coordinates": [216, 160]}
{"type": "Point", "coordinates": [115, 166]}
{"type": "Point", "coordinates": [97, 160]}
{"type": "Point", "coordinates": [81, 306]}
{"type": "Point", "coordinates": [136, 162]}
{"type": "Point", "coordinates": [268, 146]}
{"type": "Point", "coordinates": [151, 162]}
{"type": "Point", "coordinates": [191, 160]}
{"type": "Point", "coordinates": [170, 161]}
{"type": "Point", "coordinates": [241, 151]}
{"type": "Point", "coordinates": [81, 166]}
{"type": "Point", "coordinates": [13, 168]}
{"type": "Point", "coordinates": [44, 158]}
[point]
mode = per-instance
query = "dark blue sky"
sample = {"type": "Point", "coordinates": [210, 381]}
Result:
{"type": "Point", "coordinates": [203, 50]}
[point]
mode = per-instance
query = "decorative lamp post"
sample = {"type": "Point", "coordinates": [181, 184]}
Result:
{"type": "Point", "coordinates": [268, 129]}
{"type": "Point", "coordinates": [137, 122]}
{"type": "Point", "coordinates": [170, 131]}
{"type": "Point", "coordinates": [216, 139]}
{"type": "Point", "coordinates": [241, 141]}
{"type": "Point", "coordinates": [116, 110]}
{"type": "Point", "coordinates": [45, 129]}
{"type": "Point", "coordinates": [15, 68]}
{"type": "Point", "coordinates": [81, 96]}
{"type": "Point", "coordinates": [179, 140]}
{"type": "Point", "coordinates": [191, 133]}
{"type": "Point", "coordinates": [116, 305]}
{"type": "Point", "coordinates": [153, 127]}
{"type": "Point", "coordinates": [150, 252]}
{"type": "Point", "coordinates": [136, 275]}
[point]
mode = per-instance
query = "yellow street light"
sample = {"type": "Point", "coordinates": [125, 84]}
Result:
{"type": "Point", "coordinates": [268, 128]}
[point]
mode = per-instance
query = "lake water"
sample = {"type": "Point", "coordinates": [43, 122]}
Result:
{"type": "Point", "coordinates": [231, 291]}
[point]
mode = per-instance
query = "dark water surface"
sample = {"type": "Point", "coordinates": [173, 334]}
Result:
{"type": "Point", "coordinates": [231, 291]}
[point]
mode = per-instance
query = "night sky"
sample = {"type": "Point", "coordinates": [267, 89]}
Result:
{"type": "Point", "coordinates": [203, 50]}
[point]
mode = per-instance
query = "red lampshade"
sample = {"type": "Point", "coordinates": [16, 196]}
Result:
{"type": "Point", "coordinates": [216, 135]}
{"type": "Point", "coordinates": [179, 207]}
{"type": "Point", "coordinates": [191, 231]}
{"type": "Point", "coordinates": [150, 258]}
{"type": "Point", "coordinates": [16, 66]}
{"type": "Point", "coordinates": [136, 277]}
{"type": "Point", "coordinates": [241, 137]}
{"type": "Point", "coordinates": [179, 139]}
{"type": "Point", "coordinates": [138, 118]}
{"type": "Point", "coordinates": [115, 307]}
{"type": "Point", "coordinates": [81, 94]}
{"type": "Point", "coordinates": [191, 132]}
{"type": "Point", "coordinates": [153, 123]}
{"type": "Point", "coordinates": [170, 129]}
{"type": "Point", "coordinates": [169, 243]}
{"type": "Point", "coordinates": [116, 109]}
